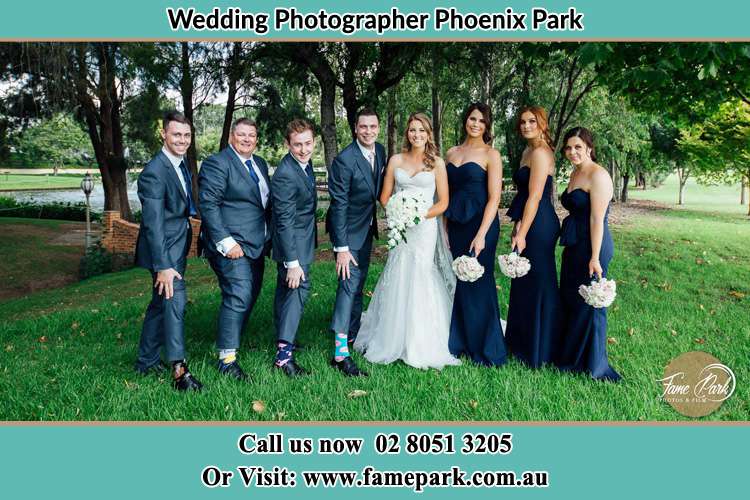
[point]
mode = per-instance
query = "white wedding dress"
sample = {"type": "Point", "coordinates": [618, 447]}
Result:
{"type": "Point", "coordinates": [410, 312]}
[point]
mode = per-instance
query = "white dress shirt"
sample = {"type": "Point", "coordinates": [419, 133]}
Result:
{"type": "Point", "coordinates": [175, 161]}
{"type": "Point", "coordinates": [225, 245]}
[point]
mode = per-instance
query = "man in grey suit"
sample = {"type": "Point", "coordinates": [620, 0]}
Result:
{"type": "Point", "coordinates": [235, 207]}
{"type": "Point", "coordinates": [354, 183]}
{"type": "Point", "coordinates": [165, 191]}
{"type": "Point", "coordinates": [294, 239]}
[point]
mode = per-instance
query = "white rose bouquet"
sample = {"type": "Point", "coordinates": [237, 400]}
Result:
{"type": "Point", "coordinates": [405, 209]}
{"type": "Point", "coordinates": [467, 268]}
{"type": "Point", "coordinates": [513, 265]}
{"type": "Point", "coordinates": [600, 293]}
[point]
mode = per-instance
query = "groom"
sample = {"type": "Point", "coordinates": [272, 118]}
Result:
{"type": "Point", "coordinates": [354, 183]}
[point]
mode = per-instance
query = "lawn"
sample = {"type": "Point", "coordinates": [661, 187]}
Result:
{"type": "Point", "coordinates": [683, 285]}
{"type": "Point", "coordinates": [720, 198]}
{"type": "Point", "coordinates": [10, 182]}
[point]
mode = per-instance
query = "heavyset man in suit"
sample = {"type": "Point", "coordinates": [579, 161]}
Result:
{"type": "Point", "coordinates": [294, 239]}
{"type": "Point", "coordinates": [354, 183]}
{"type": "Point", "coordinates": [235, 207]}
{"type": "Point", "coordinates": [164, 188]}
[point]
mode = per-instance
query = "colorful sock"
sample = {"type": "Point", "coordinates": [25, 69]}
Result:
{"type": "Point", "coordinates": [227, 356]}
{"type": "Point", "coordinates": [178, 368]}
{"type": "Point", "coordinates": [341, 350]}
{"type": "Point", "coordinates": [283, 353]}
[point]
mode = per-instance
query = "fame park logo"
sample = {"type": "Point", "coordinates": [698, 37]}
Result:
{"type": "Point", "coordinates": [696, 384]}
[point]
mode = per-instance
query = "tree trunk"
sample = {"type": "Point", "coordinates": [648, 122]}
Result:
{"type": "Point", "coordinates": [437, 105]}
{"type": "Point", "coordinates": [616, 181]}
{"type": "Point", "coordinates": [624, 192]}
{"type": "Point", "coordinates": [392, 125]}
{"type": "Point", "coordinates": [683, 177]}
{"type": "Point", "coordinates": [328, 119]}
{"type": "Point", "coordinates": [186, 89]}
{"type": "Point", "coordinates": [743, 189]}
{"type": "Point", "coordinates": [233, 72]}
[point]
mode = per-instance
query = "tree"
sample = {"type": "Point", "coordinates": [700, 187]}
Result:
{"type": "Point", "coordinates": [58, 140]}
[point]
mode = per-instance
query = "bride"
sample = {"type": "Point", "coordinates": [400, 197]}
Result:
{"type": "Point", "coordinates": [409, 314]}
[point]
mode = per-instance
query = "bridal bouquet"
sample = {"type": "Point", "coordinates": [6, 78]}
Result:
{"type": "Point", "coordinates": [513, 265]}
{"type": "Point", "coordinates": [467, 268]}
{"type": "Point", "coordinates": [404, 210]}
{"type": "Point", "coordinates": [600, 293]}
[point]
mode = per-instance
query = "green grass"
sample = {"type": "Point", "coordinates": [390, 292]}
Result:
{"type": "Point", "coordinates": [23, 181]}
{"type": "Point", "coordinates": [683, 285]}
{"type": "Point", "coordinates": [721, 198]}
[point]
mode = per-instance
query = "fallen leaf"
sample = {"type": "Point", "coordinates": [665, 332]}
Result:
{"type": "Point", "coordinates": [700, 306]}
{"type": "Point", "coordinates": [736, 294]}
{"type": "Point", "coordinates": [42, 339]}
{"type": "Point", "coordinates": [369, 294]}
{"type": "Point", "coordinates": [356, 393]}
{"type": "Point", "coordinates": [674, 333]}
{"type": "Point", "coordinates": [74, 325]}
{"type": "Point", "coordinates": [473, 404]}
{"type": "Point", "coordinates": [631, 331]}
{"type": "Point", "coordinates": [699, 261]}
{"type": "Point", "coordinates": [611, 340]}
{"type": "Point", "coordinates": [259, 406]}
{"type": "Point", "coordinates": [700, 341]}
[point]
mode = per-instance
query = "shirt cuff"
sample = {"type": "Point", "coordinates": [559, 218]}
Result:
{"type": "Point", "coordinates": [292, 264]}
{"type": "Point", "coordinates": [225, 245]}
{"type": "Point", "coordinates": [341, 249]}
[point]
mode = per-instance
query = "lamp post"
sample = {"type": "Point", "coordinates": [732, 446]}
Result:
{"type": "Point", "coordinates": [87, 186]}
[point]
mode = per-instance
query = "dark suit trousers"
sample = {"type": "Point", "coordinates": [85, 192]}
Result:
{"type": "Point", "coordinates": [348, 308]}
{"type": "Point", "coordinates": [289, 304]}
{"type": "Point", "coordinates": [240, 281]}
{"type": "Point", "coordinates": [163, 325]}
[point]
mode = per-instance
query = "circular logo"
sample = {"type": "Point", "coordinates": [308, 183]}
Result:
{"type": "Point", "coordinates": [696, 384]}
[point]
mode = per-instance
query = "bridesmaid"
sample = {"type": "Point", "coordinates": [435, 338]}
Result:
{"type": "Point", "coordinates": [588, 250]}
{"type": "Point", "coordinates": [475, 181]}
{"type": "Point", "coordinates": [534, 311]}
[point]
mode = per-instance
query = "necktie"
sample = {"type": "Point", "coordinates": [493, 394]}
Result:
{"type": "Point", "coordinates": [250, 169]}
{"type": "Point", "coordinates": [188, 188]}
{"type": "Point", "coordinates": [371, 159]}
{"type": "Point", "coordinates": [310, 174]}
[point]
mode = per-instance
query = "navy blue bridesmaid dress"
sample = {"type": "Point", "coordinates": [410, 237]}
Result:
{"type": "Point", "coordinates": [584, 342]}
{"type": "Point", "coordinates": [534, 310]}
{"type": "Point", "coordinates": [475, 322]}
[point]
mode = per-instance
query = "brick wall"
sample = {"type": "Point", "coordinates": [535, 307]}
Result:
{"type": "Point", "coordinates": [119, 236]}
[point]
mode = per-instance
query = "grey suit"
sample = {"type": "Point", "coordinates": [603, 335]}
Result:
{"type": "Point", "coordinates": [231, 205]}
{"type": "Point", "coordinates": [294, 238]}
{"type": "Point", "coordinates": [163, 242]}
{"type": "Point", "coordinates": [354, 187]}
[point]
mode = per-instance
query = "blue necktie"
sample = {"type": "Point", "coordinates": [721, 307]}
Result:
{"type": "Point", "coordinates": [188, 188]}
{"type": "Point", "coordinates": [250, 169]}
{"type": "Point", "coordinates": [310, 174]}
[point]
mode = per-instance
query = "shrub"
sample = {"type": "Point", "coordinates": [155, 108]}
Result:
{"type": "Point", "coordinates": [60, 211]}
{"type": "Point", "coordinates": [96, 261]}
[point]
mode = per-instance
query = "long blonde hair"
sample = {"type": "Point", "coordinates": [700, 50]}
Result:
{"type": "Point", "coordinates": [430, 149]}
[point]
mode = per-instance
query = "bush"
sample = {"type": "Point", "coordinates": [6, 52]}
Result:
{"type": "Point", "coordinates": [59, 211]}
{"type": "Point", "coordinates": [96, 261]}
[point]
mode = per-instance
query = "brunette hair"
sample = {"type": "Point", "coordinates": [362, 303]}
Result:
{"type": "Point", "coordinates": [430, 150]}
{"type": "Point", "coordinates": [244, 121]}
{"type": "Point", "coordinates": [486, 115]}
{"type": "Point", "coordinates": [366, 112]}
{"type": "Point", "coordinates": [541, 119]}
{"type": "Point", "coordinates": [585, 135]}
{"type": "Point", "coordinates": [173, 116]}
{"type": "Point", "coordinates": [297, 126]}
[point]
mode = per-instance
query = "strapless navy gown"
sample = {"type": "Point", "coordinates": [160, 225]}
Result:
{"type": "Point", "coordinates": [534, 310]}
{"type": "Point", "coordinates": [475, 322]}
{"type": "Point", "coordinates": [584, 340]}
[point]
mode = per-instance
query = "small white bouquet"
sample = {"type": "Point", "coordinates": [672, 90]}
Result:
{"type": "Point", "coordinates": [513, 265]}
{"type": "Point", "coordinates": [467, 268]}
{"type": "Point", "coordinates": [405, 209]}
{"type": "Point", "coordinates": [600, 293]}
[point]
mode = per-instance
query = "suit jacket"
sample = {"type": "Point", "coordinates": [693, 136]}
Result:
{"type": "Point", "coordinates": [164, 236]}
{"type": "Point", "coordinates": [231, 204]}
{"type": "Point", "coordinates": [354, 188]}
{"type": "Point", "coordinates": [295, 233]}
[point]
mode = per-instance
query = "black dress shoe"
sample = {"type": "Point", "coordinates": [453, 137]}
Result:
{"type": "Point", "coordinates": [186, 381]}
{"type": "Point", "coordinates": [291, 369]}
{"type": "Point", "coordinates": [158, 368]}
{"type": "Point", "coordinates": [348, 367]}
{"type": "Point", "coordinates": [233, 370]}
